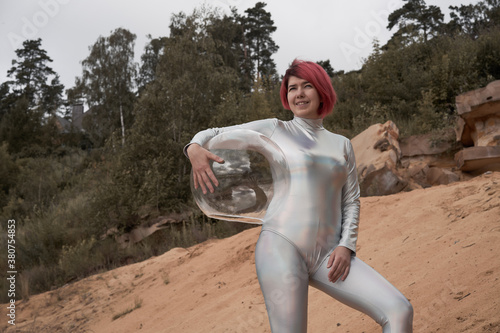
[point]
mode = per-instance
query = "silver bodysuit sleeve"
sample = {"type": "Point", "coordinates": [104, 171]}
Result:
{"type": "Point", "coordinates": [350, 202]}
{"type": "Point", "coordinates": [265, 126]}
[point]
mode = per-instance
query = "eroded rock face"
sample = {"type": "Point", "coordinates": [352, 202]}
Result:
{"type": "Point", "coordinates": [387, 165]}
{"type": "Point", "coordinates": [377, 156]}
{"type": "Point", "coordinates": [425, 145]}
{"type": "Point", "coordinates": [440, 176]}
{"type": "Point", "coordinates": [487, 131]}
{"type": "Point", "coordinates": [383, 181]}
{"type": "Point", "coordinates": [479, 111]}
{"type": "Point", "coordinates": [428, 159]}
{"type": "Point", "coordinates": [479, 126]}
{"type": "Point", "coordinates": [479, 159]}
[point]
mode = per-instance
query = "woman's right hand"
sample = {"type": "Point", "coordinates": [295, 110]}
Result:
{"type": "Point", "coordinates": [202, 173]}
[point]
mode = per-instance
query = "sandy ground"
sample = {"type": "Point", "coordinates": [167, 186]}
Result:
{"type": "Point", "coordinates": [440, 246]}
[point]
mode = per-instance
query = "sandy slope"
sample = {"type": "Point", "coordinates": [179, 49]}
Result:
{"type": "Point", "coordinates": [440, 246]}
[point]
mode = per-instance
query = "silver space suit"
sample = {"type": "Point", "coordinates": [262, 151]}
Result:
{"type": "Point", "coordinates": [320, 212]}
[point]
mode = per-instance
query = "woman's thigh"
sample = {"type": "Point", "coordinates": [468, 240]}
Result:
{"type": "Point", "coordinates": [369, 292]}
{"type": "Point", "coordinates": [284, 282]}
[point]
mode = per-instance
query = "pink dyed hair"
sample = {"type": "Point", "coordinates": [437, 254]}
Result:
{"type": "Point", "coordinates": [316, 75]}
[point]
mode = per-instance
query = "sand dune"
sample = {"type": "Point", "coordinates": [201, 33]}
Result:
{"type": "Point", "coordinates": [440, 246]}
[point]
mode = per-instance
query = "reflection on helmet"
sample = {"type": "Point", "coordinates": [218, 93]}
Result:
{"type": "Point", "coordinates": [253, 180]}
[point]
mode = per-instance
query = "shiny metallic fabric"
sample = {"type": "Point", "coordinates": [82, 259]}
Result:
{"type": "Point", "coordinates": [319, 212]}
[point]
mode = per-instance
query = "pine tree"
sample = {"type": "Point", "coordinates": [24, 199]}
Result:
{"type": "Point", "coordinates": [259, 27]}
{"type": "Point", "coordinates": [30, 99]}
{"type": "Point", "coordinates": [415, 20]}
{"type": "Point", "coordinates": [230, 43]}
{"type": "Point", "coordinates": [473, 19]}
{"type": "Point", "coordinates": [31, 73]}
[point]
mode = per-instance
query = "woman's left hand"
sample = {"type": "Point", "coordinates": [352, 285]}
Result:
{"type": "Point", "coordinates": [340, 263]}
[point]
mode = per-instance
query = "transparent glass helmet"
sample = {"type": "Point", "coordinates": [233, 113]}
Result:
{"type": "Point", "coordinates": [253, 179]}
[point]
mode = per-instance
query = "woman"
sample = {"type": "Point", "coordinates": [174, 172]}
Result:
{"type": "Point", "coordinates": [312, 241]}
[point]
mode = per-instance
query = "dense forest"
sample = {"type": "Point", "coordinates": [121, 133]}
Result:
{"type": "Point", "coordinates": [73, 189]}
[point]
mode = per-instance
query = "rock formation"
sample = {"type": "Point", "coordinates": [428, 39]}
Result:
{"type": "Point", "coordinates": [479, 129]}
{"type": "Point", "coordinates": [479, 159]}
{"type": "Point", "coordinates": [428, 159]}
{"type": "Point", "coordinates": [388, 165]}
{"type": "Point", "coordinates": [377, 156]}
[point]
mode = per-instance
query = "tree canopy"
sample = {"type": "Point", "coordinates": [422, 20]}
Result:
{"type": "Point", "coordinates": [30, 100]}
{"type": "Point", "coordinates": [108, 85]}
{"type": "Point", "coordinates": [34, 79]}
{"type": "Point", "coordinates": [473, 19]}
{"type": "Point", "coordinates": [414, 20]}
{"type": "Point", "coordinates": [259, 27]}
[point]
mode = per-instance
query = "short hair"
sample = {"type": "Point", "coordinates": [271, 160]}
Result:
{"type": "Point", "coordinates": [317, 76]}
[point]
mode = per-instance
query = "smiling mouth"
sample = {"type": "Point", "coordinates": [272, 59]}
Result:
{"type": "Point", "coordinates": [301, 103]}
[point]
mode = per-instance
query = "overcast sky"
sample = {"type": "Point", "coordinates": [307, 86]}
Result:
{"type": "Point", "coordinates": [341, 31]}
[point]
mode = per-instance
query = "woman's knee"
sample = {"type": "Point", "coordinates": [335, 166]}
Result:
{"type": "Point", "coordinates": [405, 309]}
{"type": "Point", "coordinates": [400, 317]}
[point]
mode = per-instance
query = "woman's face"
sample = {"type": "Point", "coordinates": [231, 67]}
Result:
{"type": "Point", "coordinates": [303, 98]}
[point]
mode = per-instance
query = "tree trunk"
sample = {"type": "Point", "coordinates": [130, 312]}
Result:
{"type": "Point", "coordinates": [123, 125]}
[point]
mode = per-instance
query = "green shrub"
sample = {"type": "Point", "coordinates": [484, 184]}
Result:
{"type": "Point", "coordinates": [78, 260]}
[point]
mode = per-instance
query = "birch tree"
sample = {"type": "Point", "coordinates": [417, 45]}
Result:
{"type": "Point", "coordinates": [108, 85]}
